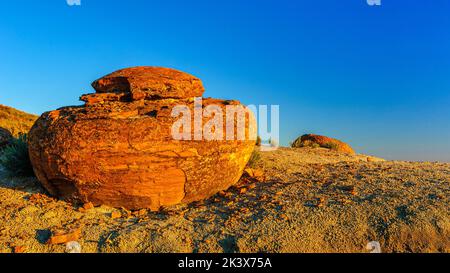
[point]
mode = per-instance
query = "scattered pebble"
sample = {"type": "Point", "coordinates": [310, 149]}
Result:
{"type": "Point", "coordinates": [116, 215]}
{"type": "Point", "coordinates": [88, 206]}
{"type": "Point", "coordinates": [73, 247]}
{"type": "Point", "coordinates": [62, 236]}
{"type": "Point", "coordinates": [19, 249]}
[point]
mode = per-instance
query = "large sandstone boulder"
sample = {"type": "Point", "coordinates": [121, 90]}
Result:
{"type": "Point", "coordinates": [118, 149]}
{"type": "Point", "coordinates": [5, 137]}
{"type": "Point", "coordinates": [324, 142]}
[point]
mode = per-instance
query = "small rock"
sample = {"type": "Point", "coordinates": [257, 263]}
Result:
{"type": "Point", "coordinates": [64, 236]}
{"type": "Point", "coordinates": [19, 249]}
{"type": "Point", "coordinates": [40, 199]}
{"type": "Point", "coordinates": [277, 202]}
{"type": "Point", "coordinates": [225, 194]}
{"type": "Point", "coordinates": [73, 247]}
{"type": "Point", "coordinates": [88, 206]}
{"type": "Point", "coordinates": [245, 210]}
{"type": "Point", "coordinates": [320, 202]}
{"type": "Point", "coordinates": [256, 174]}
{"type": "Point", "coordinates": [116, 215]}
{"type": "Point", "coordinates": [231, 203]}
{"type": "Point", "coordinates": [140, 213]}
{"type": "Point", "coordinates": [263, 198]}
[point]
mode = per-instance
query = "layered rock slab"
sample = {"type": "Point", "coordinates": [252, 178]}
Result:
{"type": "Point", "coordinates": [150, 82]}
{"type": "Point", "coordinates": [119, 151]}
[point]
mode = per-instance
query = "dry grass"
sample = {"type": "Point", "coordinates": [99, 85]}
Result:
{"type": "Point", "coordinates": [16, 121]}
{"type": "Point", "coordinates": [255, 158]}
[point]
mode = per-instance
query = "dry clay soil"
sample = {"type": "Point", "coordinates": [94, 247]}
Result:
{"type": "Point", "coordinates": [311, 200]}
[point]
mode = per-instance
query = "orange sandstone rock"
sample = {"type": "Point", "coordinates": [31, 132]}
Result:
{"type": "Point", "coordinates": [147, 82]}
{"type": "Point", "coordinates": [118, 149]}
{"type": "Point", "coordinates": [62, 236]}
{"type": "Point", "coordinates": [88, 206]}
{"type": "Point", "coordinates": [19, 249]}
{"type": "Point", "coordinates": [116, 215]}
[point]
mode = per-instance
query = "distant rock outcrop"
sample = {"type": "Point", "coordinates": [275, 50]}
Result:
{"type": "Point", "coordinates": [118, 150]}
{"type": "Point", "coordinates": [5, 137]}
{"type": "Point", "coordinates": [324, 142]}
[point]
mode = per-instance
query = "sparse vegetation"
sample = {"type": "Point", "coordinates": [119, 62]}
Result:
{"type": "Point", "coordinates": [258, 141]}
{"type": "Point", "coordinates": [311, 144]}
{"type": "Point", "coordinates": [331, 146]}
{"type": "Point", "coordinates": [255, 158]}
{"type": "Point", "coordinates": [300, 144]}
{"type": "Point", "coordinates": [14, 159]}
{"type": "Point", "coordinates": [16, 121]}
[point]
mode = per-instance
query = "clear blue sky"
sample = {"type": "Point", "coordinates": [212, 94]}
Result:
{"type": "Point", "coordinates": [376, 77]}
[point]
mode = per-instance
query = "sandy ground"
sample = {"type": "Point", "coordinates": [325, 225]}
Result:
{"type": "Point", "coordinates": [312, 200]}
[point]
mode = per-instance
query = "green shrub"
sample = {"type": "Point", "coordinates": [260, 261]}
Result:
{"type": "Point", "coordinates": [15, 159]}
{"type": "Point", "coordinates": [255, 158]}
